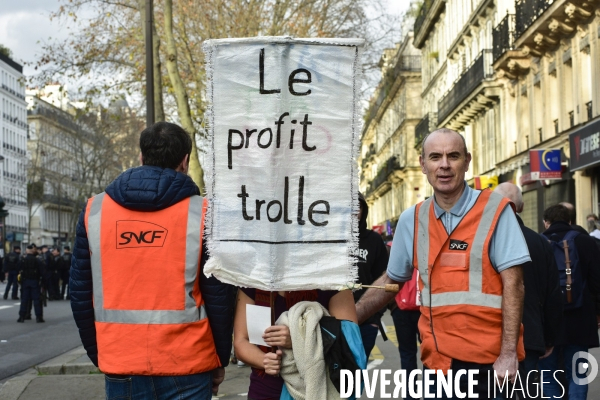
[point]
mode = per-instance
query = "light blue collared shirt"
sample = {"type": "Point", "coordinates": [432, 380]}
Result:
{"type": "Point", "coordinates": [507, 246]}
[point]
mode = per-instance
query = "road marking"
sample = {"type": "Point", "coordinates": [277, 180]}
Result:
{"type": "Point", "coordinates": [373, 364]}
{"type": "Point", "coordinates": [3, 307]}
{"type": "Point", "coordinates": [376, 357]}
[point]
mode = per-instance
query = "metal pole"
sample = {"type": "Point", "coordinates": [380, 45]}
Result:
{"type": "Point", "coordinates": [149, 66]}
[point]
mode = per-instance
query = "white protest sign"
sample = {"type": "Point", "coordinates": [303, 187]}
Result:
{"type": "Point", "coordinates": [281, 171]}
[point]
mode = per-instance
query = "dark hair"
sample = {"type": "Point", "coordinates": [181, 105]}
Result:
{"type": "Point", "coordinates": [16, 248]}
{"type": "Point", "coordinates": [164, 145]}
{"type": "Point", "coordinates": [67, 248]}
{"type": "Point", "coordinates": [44, 246]}
{"type": "Point", "coordinates": [31, 247]}
{"type": "Point", "coordinates": [556, 213]}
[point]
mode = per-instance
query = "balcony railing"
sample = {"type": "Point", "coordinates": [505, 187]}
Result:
{"type": "Point", "coordinates": [527, 11]}
{"type": "Point", "coordinates": [386, 169]}
{"type": "Point", "coordinates": [480, 69]}
{"type": "Point", "coordinates": [424, 127]}
{"type": "Point", "coordinates": [402, 63]}
{"type": "Point", "coordinates": [504, 36]}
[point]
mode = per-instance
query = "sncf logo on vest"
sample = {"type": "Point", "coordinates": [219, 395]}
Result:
{"type": "Point", "coordinates": [458, 245]}
{"type": "Point", "coordinates": [140, 234]}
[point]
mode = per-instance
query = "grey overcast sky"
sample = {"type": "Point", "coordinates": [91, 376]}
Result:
{"type": "Point", "coordinates": [24, 26]}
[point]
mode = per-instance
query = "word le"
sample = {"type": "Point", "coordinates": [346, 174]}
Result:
{"type": "Point", "coordinates": [274, 209]}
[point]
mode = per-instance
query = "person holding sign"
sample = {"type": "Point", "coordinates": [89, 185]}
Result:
{"type": "Point", "coordinates": [468, 248]}
{"type": "Point", "coordinates": [265, 382]}
{"type": "Point", "coordinates": [151, 337]}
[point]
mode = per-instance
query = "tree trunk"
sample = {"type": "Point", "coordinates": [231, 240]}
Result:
{"type": "Point", "coordinates": [181, 96]}
{"type": "Point", "coordinates": [159, 111]}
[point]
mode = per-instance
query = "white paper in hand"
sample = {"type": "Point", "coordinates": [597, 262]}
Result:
{"type": "Point", "coordinates": [258, 319]}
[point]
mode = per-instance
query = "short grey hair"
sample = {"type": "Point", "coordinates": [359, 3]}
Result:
{"type": "Point", "coordinates": [443, 130]}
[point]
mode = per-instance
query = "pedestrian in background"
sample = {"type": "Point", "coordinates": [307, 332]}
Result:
{"type": "Point", "coordinates": [11, 266]}
{"type": "Point", "coordinates": [579, 331]}
{"type": "Point", "coordinates": [56, 265]}
{"type": "Point", "coordinates": [472, 306]}
{"type": "Point", "coordinates": [593, 227]}
{"type": "Point", "coordinates": [64, 273]}
{"type": "Point", "coordinates": [542, 308]}
{"type": "Point", "coordinates": [153, 338]}
{"type": "Point", "coordinates": [32, 270]}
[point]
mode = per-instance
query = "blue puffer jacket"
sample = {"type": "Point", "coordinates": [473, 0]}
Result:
{"type": "Point", "coordinates": [147, 188]}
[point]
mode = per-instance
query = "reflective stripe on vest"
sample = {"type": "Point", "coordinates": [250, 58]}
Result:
{"type": "Point", "coordinates": [191, 313]}
{"type": "Point", "coordinates": [474, 296]}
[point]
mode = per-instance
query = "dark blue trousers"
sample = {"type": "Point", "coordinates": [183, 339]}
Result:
{"type": "Point", "coordinates": [12, 281]}
{"type": "Point", "coordinates": [30, 291]}
{"type": "Point", "coordinates": [407, 332]}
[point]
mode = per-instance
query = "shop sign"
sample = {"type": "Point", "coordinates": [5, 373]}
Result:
{"type": "Point", "coordinates": [545, 164]}
{"type": "Point", "coordinates": [585, 146]}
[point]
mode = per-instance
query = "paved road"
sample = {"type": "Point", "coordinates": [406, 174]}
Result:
{"type": "Point", "coordinates": [24, 345]}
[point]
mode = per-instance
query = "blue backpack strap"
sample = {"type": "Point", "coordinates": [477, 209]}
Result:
{"type": "Point", "coordinates": [351, 332]}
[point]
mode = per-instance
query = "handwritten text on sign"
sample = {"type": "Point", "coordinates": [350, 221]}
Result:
{"type": "Point", "coordinates": [283, 136]}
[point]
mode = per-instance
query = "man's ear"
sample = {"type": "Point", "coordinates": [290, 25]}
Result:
{"type": "Point", "coordinates": [468, 160]}
{"type": "Point", "coordinates": [184, 165]}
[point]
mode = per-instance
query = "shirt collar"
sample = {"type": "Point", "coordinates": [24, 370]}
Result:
{"type": "Point", "coordinates": [460, 208]}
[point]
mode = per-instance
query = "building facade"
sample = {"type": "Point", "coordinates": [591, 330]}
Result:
{"type": "Point", "coordinates": [13, 153]}
{"type": "Point", "coordinates": [70, 160]}
{"type": "Point", "coordinates": [390, 175]}
{"type": "Point", "coordinates": [516, 76]}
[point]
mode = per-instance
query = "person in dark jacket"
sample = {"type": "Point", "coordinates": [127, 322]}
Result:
{"type": "Point", "coordinates": [57, 263]}
{"type": "Point", "coordinates": [49, 272]}
{"type": "Point", "coordinates": [11, 267]}
{"type": "Point", "coordinates": [579, 332]}
{"type": "Point", "coordinates": [158, 185]}
{"type": "Point", "coordinates": [542, 308]}
{"type": "Point", "coordinates": [64, 273]}
{"type": "Point", "coordinates": [372, 263]}
{"type": "Point", "coordinates": [31, 272]}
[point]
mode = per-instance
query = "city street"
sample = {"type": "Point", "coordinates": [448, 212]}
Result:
{"type": "Point", "coordinates": [25, 345]}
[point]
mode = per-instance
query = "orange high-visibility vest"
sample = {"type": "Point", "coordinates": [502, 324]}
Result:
{"type": "Point", "coordinates": [461, 293]}
{"type": "Point", "coordinates": [149, 313]}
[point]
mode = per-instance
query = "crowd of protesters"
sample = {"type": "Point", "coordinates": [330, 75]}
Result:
{"type": "Point", "coordinates": [478, 289]}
